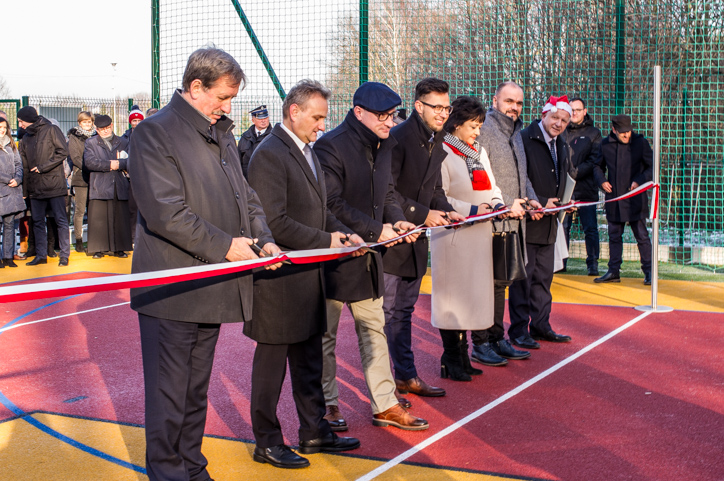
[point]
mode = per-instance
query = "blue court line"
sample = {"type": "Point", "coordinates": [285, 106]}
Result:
{"type": "Point", "coordinates": [52, 432]}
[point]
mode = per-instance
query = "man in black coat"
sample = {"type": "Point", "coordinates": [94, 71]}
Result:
{"type": "Point", "coordinates": [194, 208]}
{"type": "Point", "coordinates": [289, 306]}
{"type": "Point", "coordinates": [584, 143]}
{"type": "Point", "coordinates": [416, 162]}
{"type": "Point", "coordinates": [356, 160]}
{"type": "Point", "coordinates": [624, 163]}
{"type": "Point", "coordinates": [135, 116]}
{"type": "Point", "coordinates": [253, 136]}
{"type": "Point", "coordinates": [548, 166]}
{"type": "Point", "coordinates": [44, 151]}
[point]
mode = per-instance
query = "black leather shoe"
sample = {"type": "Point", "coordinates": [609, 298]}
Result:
{"type": "Point", "coordinates": [504, 349]}
{"type": "Point", "coordinates": [10, 263]}
{"type": "Point", "coordinates": [79, 245]}
{"type": "Point", "coordinates": [2, 263]}
{"type": "Point", "coordinates": [98, 255]}
{"type": "Point", "coordinates": [593, 271]}
{"type": "Point", "coordinates": [280, 456]}
{"type": "Point", "coordinates": [63, 262]}
{"type": "Point", "coordinates": [52, 254]}
{"type": "Point", "coordinates": [525, 341]}
{"type": "Point", "coordinates": [121, 254]}
{"type": "Point", "coordinates": [551, 336]}
{"type": "Point", "coordinates": [331, 443]}
{"type": "Point", "coordinates": [609, 276]}
{"type": "Point", "coordinates": [484, 354]}
{"type": "Point", "coordinates": [37, 260]}
{"type": "Point", "coordinates": [647, 278]}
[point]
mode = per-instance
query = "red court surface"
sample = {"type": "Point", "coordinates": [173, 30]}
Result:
{"type": "Point", "coordinates": [646, 404]}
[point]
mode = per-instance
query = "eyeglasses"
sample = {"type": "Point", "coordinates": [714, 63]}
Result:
{"type": "Point", "coordinates": [383, 116]}
{"type": "Point", "coordinates": [438, 109]}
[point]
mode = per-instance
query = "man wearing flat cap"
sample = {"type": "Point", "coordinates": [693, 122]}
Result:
{"type": "Point", "coordinates": [253, 136]}
{"type": "Point", "coordinates": [44, 151]}
{"type": "Point", "coordinates": [356, 158]}
{"type": "Point", "coordinates": [624, 163]}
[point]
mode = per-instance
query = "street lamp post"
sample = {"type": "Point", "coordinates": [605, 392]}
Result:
{"type": "Point", "coordinates": [113, 64]}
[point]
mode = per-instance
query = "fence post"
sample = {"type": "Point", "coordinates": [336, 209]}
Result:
{"type": "Point", "coordinates": [130, 107]}
{"type": "Point", "coordinates": [155, 55]}
{"type": "Point", "coordinates": [25, 100]}
{"type": "Point", "coordinates": [364, 20]}
{"type": "Point", "coordinates": [620, 55]}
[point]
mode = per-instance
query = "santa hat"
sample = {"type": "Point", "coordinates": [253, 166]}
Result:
{"type": "Point", "coordinates": [555, 103]}
{"type": "Point", "coordinates": [135, 113]}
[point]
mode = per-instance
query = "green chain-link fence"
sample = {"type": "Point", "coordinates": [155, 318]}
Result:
{"type": "Point", "coordinates": [602, 50]}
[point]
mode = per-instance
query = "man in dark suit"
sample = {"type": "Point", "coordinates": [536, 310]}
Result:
{"type": "Point", "coordinates": [289, 309]}
{"type": "Point", "coordinates": [548, 160]}
{"type": "Point", "coordinates": [624, 163]}
{"type": "Point", "coordinates": [195, 208]}
{"type": "Point", "coordinates": [416, 162]}
{"type": "Point", "coordinates": [253, 136]}
{"type": "Point", "coordinates": [356, 160]}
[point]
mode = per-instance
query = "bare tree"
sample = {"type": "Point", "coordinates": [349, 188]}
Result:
{"type": "Point", "coordinates": [4, 89]}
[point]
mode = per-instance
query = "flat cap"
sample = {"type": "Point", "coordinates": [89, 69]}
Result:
{"type": "Point", "coordinates": [376, 97]}
{"type": "Point", "coordinates": [103, 121]}
{"type": "Point", "coordinates": [622, 123]}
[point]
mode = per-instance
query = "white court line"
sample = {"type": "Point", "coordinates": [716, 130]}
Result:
{"type": "Point", "coordinates": [61, 316]}
{"type": "Point", "coordinates": [455, 426]}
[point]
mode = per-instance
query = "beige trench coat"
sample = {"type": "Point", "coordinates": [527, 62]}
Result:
{"type": "Point", "coordinates": [462, 259]}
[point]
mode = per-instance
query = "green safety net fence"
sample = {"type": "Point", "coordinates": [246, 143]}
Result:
{"type": "Point", "coordinates": [602, 50]}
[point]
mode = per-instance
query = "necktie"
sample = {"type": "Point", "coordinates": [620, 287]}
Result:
{"type": "Point", "coordinates": [310, 160]}
{"type": "Point", "coordinates": [555, 158]}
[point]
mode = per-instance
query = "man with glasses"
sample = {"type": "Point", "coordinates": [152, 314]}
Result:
{"type": "Point", "coordinates": [356, 160]}
{"type": "Point", "coordinates": [416, 162]}
{"type": "Point", "coordinates": [584, 142]}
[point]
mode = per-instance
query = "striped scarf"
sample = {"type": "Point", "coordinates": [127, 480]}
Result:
{"type": "Point", "coordinates": [472, 154]}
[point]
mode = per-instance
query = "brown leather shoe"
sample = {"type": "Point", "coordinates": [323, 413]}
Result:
{"type": "Point", "coordinates": [398, 417]}
{"type": "Point", "coordinates": [403, 401]}
{"type": "Point", "coordinates": [335, 419]}
{"type": "Point", "coordinates": [419, 387]}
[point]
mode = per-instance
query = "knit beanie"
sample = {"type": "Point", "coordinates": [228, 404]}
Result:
{"type": "Point", "coordinates": [28, 114]}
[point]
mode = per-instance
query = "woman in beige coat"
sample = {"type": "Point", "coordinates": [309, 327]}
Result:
{"type": "Point", "coordinates": [462, 267]}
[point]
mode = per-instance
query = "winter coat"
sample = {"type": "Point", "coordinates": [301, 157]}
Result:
{"type": "Point", "coordinates": [542, 175]}
{"type": "Point", "coordinates": [192, 201]}
{"type": "Point", "coordinates": [43, 146]}
{"type": "Point", "coordinates": [76, 146]}
{"type": "Point", "coordinates": [104, 182]}
{"type": "Point", "coordinates": [418, 188]}
{"type": "Point", "coordinates": [584, 142]}
{"type": "Point", "coordinates": [289, 303]}
{"type": "Point", "coordinates": [247, 143]}
{"type": "Point", "coordinates": [621, 164]}
{"type": "Point", "coordinates": [361, 195]}
{"type": "Point", "coordinates": [11, 168]}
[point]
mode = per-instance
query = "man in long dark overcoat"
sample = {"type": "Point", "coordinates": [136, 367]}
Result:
{"type": "Point", "coordinates": [195, 208]}
{"type": "Point", "coordinates": [625, 162]}
{"type": "Point", "coordinates": [546, 152]}
{"type": "Point", "coordinates": [289, 306]}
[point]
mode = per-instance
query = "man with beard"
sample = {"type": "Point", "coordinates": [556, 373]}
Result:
{"type": "Point", "coordinates": [356, 160]}
{"type": "Point", "coordinates": [548, 166]}
{"type": "Point", "coordinates": [416, 162]}
{"type": "Point", "coordinates": [500, 138]}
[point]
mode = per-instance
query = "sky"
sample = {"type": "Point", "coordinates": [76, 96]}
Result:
{"type": "Point", "coordinates": [66, 48]}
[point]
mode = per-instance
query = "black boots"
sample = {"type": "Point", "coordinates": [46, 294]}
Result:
{"type": "Point", "coordinates": [451, 362]}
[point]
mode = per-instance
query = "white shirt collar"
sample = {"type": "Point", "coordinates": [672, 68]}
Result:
{"type": "Point", "coordinates": [259, 132]}
{"type": "Point", "coordinates": [294, 137]}
{"type": "Point", "coordinates": [545, 134]}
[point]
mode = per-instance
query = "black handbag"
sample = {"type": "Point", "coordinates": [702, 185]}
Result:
{"type": "Point", "coordinates": [508, 262]}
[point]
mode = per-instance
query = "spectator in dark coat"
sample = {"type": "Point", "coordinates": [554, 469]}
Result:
{"type": "Point", "coordinates": [76, 145]}
{"type": "Point", "coordinates": [356, 159]}
{"type": "Point", "coordinates": [253, 136]}
{"type": "Point", "coordinates": [44, 152]}
{"type": "Point", "coordinates": [584, 143]}
{"type": "Point", "coordinates": [416, 162]}
{"type": "Point", "coordinates": [289, 306]}
{"type": "Point", "coordinates": [135, 116]}
{"type": "Point", "coordinates": [548, 167]}
{"type": "Point", "coordinates": [624, 163]}
{"type": "Point", "coordinates": [11, 194]}
{"type": "Point", "coordinates": [106, 159]}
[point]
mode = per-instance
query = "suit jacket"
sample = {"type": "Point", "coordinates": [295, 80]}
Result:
{"type": "Point", "coordinates": [542, 175]}
{"type": "Point", "coordinates": [360, 194]}
{"type": "Point", "coordinates": [192, 200]}
{"type": "Point", "coordinates": [416, 166]}
{"type": "Point", "coordinates": [624, 164]}
{"type": "Point", "coordinates": [289, 303]}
